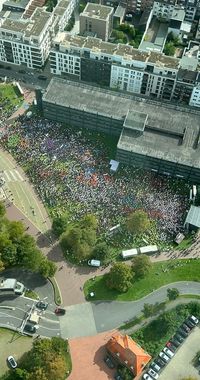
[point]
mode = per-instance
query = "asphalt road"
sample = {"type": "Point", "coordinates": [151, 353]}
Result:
{"type": "Point", "coordinates": [13, 308]}
{"type": "Point", "coordinates": [92, 318]}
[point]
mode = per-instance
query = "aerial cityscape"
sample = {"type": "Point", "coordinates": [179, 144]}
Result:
{"type": "Point", "coordinates": [99, 189]}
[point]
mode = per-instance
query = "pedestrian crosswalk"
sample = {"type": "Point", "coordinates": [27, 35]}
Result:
{"type": "Point", "coordinates": [11, 176]}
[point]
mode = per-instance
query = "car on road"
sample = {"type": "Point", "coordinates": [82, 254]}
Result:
{"type": "Point", "coordinates": [29, 327]}
{"type": "Point", "coordinates": [59, 311]}
{"type": "Point", "coordinates": [160, 362]}
{"type": "Point", "coordinates": [146, 377]}
{"type": "Point", "coordinates": [109, 362]}
{"type": "Point", "coordinates": [41, 305]}
{"type": "Point", "coordinates": [168, 352]}
{"type": "Point", "coordinates": [194, 319]}
{"type": "Point", "coordinates": [155, 367]}
{"type": "Point", "coordinates": [12, 362]}
{"type": "Point", "coordinates": [164, 357]}
{"type": "Point", "coordinates": [153, 374]}
{"type": "Point", "coordinates": [42, 77]}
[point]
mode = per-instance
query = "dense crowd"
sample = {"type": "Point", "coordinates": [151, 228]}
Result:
{"type": "Point", "coordinates": [70, 171]}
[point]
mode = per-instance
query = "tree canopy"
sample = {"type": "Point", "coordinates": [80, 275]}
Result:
{"type": "Point", "coordinates": [120, 277]}
{"type": "Point", "coordinates": [137, 222]}
{"type": "Point", "coordinates": [172, 294]}
{"type": "Point", "coordinates": [48, 359]}
{"type": "Point", "coordinates": [59, 225]}
{"type": "Point", "coordinates": [141, 265]}
{"type": "Point", "coordinates": [17, 248]}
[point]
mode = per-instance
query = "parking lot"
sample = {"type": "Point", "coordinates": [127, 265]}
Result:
{"type": "Point", "coordinates": [181, 364]}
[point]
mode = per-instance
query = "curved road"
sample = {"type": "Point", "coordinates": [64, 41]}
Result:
{"type": "Point", "coordinates": [92, 318]}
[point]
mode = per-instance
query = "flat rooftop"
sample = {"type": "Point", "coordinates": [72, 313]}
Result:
{"type": "Point", "coordinates": [97, 11]}
{"type": "Point", "coordinates": [169, 133]}
{"type": "Point", "coordinates": [66, 40]}
{"type": "Point", "coordinates": [29, 27]}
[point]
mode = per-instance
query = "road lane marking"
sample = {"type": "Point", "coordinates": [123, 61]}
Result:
{"type": "Point", "coordinates": [19, 175]}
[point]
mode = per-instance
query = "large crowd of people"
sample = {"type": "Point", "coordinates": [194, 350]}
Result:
{"type": "Point", "coordinates": [70, 170]}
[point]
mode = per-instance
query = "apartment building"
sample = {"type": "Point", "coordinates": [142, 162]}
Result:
{"type": "Point", "coordinates": [63, 12]}
{"type": "Point", "coordinates": [164, 8]}
{"type": "Point", "coordinates": [97, 19]}
{"type": "Point", "coordinates": [26, 41]}
{"type": "Point", "coordinates": [123, 68]}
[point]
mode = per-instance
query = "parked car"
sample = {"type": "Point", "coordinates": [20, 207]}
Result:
{"type": "Point", "coordinates": [175, 341]}
{"type": "Point", "coordinates": [168, 352]}
{"type": "Point", "coordinates": [153, 374]}
{"type": "Point", "coordinates": [160, 362]}
{"type": "Point", "coordinates": [41, 305]}
{"type": "Point", "coordinates": [59, 311]}
{"type": "Point", "coordinates": [22, 71]}
{"type": "Point", "coordinates": [146, 377]}
{"type": "Point", "coordinates": [182, 333]}
{"type": "Point", "coordinates": [194, 319]}
{"type": "Point", "coordinates": [109, 362]}
{"type": "Point", "coordinates": [189, 323]}
{"type": "Point", "coordinates": [12, 362]}
{"type": "Point", "coordinates": [185, 327]}
{"type": "Point", "coordinates": [179, 338]}
{"type": "Point", "coordinates": [171, 346]}
{"type": "Point", "coordinates": [30, 328]}
{"type": "Point", "coordinates": [155, 367]}
{"type": "Point", "coordinates": [164, 357]}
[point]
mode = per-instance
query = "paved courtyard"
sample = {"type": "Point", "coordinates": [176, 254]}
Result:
{"type": "Point", "coordinates": [87, 358]}
{"type": "Point", "coordinates": [181, 365]}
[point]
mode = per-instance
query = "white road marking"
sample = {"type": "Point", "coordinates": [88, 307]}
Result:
{"type": "Point", "coordinates": [7, 179]}
{"type": "Point", "coordinates": [19, 175]}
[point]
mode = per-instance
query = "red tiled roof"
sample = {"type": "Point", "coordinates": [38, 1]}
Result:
{"type": "Point", "coordinates": [128, 352]}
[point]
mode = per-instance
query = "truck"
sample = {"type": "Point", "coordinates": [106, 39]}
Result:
{"type": "Point", "coordinates": [94, 263]}
{"type": "Point", "coordinates": [11, 284]}
{"type": "Point", "coordinates": [129, 253]}
{"type": "Point", "coordinates": [148, 249]}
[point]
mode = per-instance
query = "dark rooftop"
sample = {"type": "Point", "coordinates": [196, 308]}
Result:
{"type": "Point", "coordinates": [169, 133]}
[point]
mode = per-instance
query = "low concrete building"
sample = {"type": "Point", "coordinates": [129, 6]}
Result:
{"type": "Point", "coordinates": [97, 19]}
{"type": "Point", "coordinates": [160, 138]}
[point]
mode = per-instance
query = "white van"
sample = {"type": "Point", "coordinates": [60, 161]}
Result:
{"type": "Point", "coordinates": [149, 249]}
{"type": "Point", "coordinates": [94, 263]}
{"type": "Point", "coordinates": [129, 253]}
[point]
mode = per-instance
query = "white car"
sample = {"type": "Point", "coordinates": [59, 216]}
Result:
{"type": "Point", "coordinates": [194, 319]}
{"type": "Point", "coordinates": [12, 362]}
{"type": "Point", "coordinates": [164, 357]}
{"type": "Point", "coordinates": [168, 352]}
{"type": "Point", "coordinates": [146, 377]}
{"type": "Point", "coordinates": [153, 374]}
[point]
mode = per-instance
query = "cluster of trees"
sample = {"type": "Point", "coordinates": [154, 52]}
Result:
{"type": "Point", "coordinates": [49, 359]}
{"type": "Point", "coordinates": [17, 248]}
{"type": "Point", "coordinates": [137, 222]}
{"type": "Point", "coordinates": [121, 276]}
{"type": "Point", "coordinates": [79, 240]}
{"type": "Point", "coordinates": [71, 23]}
{"type": "Point", "coordinates": [50, 4]}
{"type": "Point", "coordinates": [127, 33]}
{"type": "Point", "coordinates": [154, 336]}
{"type": "Point", "coordinates": [171, 43]}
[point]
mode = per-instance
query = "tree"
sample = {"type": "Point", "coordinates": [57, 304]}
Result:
{"type": "Point", "coordinates": [15, 230]}
{"type": "Point", "coordinates": [59, 225]}
{"type": "Point", "coordinates": [102, 252]}
{"type": "Point", "coordinates": [141, 265]}
{"type": "Point", "coordinates": [89, 221]}
{"type": "Point", "coordinates": [9, 254]}
{"type": "Point", "coordinates": [148, 310]}
{"type": "Point", "coordinates": [120, 277]}
{"type": "Point", "coordinates": [47, 268]}
{"type": "Point", "coordinates": [2, 209]}
{"type": "Point", "coordinates": [1, 266]}
{"type": "Point", "coordinates": [172, 294]}
{"type": "Point", "coordinates": [169, 49]}
{"type": "Point", "coordinates": [137, 222]}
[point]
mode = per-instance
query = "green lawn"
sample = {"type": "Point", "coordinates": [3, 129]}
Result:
{"type": "Point", "coordinates": [9, 97]}
{"type": "Point", "coordinates": [13, 344]}
{"type": "Point", "coordinates": [162, 273]}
